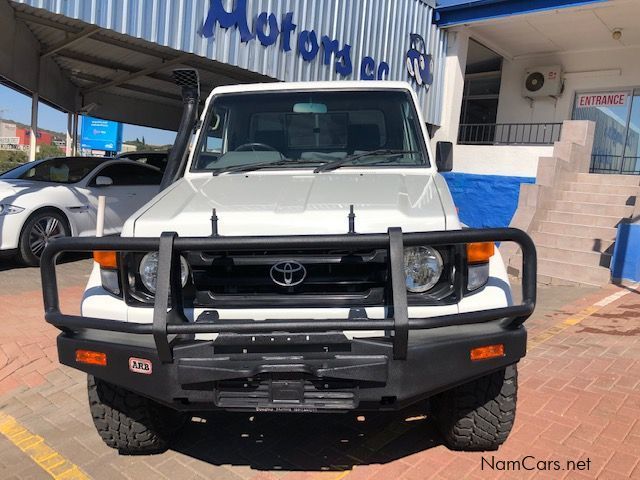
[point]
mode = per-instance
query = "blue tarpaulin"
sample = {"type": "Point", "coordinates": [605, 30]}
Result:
{"type": "Point", "coordinates": [625, 264]}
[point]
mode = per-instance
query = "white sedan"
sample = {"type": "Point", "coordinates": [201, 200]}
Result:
{"type": "Point", "coordinates": [58, 197]}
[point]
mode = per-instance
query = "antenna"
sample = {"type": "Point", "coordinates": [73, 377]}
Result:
{"type": "Point", "coordinates": [214, 223]}
{"type": "Point", "coordinates": [352, 220]}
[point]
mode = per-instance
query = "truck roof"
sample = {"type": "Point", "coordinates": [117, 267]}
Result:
{"type": "Point", "coordinates": [324, 85]}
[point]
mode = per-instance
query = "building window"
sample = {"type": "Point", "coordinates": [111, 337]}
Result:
{"type": "Point", "coordinates": [480, 96]}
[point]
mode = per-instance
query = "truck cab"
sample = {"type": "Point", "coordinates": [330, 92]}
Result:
{"type": "Point", "coordinates": [307, 257]}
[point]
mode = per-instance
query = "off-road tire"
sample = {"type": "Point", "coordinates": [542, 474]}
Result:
{"type": "Point", "coordinates": [478, 415]}
{"type": "Point", "coordinates": [130, 423]}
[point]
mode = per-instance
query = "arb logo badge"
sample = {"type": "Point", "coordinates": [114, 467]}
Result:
{"type": "Point", "coordinates": [140, 365]}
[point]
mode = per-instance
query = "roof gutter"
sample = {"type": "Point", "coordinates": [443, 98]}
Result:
{"type": "Point", "coordinates": [476, 11]}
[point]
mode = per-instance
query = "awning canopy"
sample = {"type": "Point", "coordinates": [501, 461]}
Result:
{"type": "Point", "coordinates": [585, 28]}
{"type": "Point", "coordinates": [80, 67]}
{"type": "Point", "coordinates": [463, 12]}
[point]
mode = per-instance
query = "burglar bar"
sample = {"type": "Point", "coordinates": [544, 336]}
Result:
{"type": "Point", "coordinates": [169, 318]}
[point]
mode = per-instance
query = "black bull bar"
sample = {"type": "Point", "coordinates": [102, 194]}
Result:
{"type": "Point", "coordinates": [168, 311]}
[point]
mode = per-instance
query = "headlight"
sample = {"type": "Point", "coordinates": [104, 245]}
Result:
{"type": "Point", "coordinates": [9, 209]}
{"type": "Point", "coordinates": [149, 271]}
{"type": "Point", "coordinates": [422, 268]}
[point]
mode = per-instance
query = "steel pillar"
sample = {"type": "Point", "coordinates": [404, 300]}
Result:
{"type": "Point", "coordinates": [33, 131]}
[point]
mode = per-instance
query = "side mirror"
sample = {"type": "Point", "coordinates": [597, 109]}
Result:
{"type": "Point", "coordinates": [102, 181]}
{"type": "Point", "coordinates": [444, 156]}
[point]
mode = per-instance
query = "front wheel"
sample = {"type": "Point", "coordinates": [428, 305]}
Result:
{"type": "Point", "coordinates": [37, 232]}
{"type": "Point", "coordinates": [478, 415]}
{"type": "Point", "coordinates": [130, 423]}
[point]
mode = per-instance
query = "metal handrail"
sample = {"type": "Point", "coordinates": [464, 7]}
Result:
{"type": "Point", "coordinates": [614, 164]}
{"type": "Point", "coordinates": [509, 133]}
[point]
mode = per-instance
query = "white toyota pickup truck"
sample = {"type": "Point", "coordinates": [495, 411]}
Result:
{"type": "Point", "coordinates": [305, 255]}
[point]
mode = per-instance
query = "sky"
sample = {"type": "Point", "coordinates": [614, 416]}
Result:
{"type": "Point", "coordinates": [16, 106]}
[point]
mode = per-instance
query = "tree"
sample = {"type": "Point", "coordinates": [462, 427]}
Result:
{"type": "Point", "coordinates": [11, 158]}
{"type": "Point", "coordinates": [46, 151]}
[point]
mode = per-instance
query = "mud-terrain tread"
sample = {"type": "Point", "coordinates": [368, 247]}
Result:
{"type": "Point", "coordinates": [128, 422]}
{"type": "Point", "coordinates": [479, 415]}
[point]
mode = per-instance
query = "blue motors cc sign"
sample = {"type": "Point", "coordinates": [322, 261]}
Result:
{"type": "Point", "coordinates": [308, 44]}
{"type": "Point", "coordinates": [419, 62]}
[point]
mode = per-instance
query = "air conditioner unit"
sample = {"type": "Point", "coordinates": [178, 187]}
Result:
{"type": "Point", "coordinates": [542, 82]}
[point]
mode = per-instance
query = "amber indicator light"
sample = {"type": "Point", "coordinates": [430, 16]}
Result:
{"type": "Point", "coordinates": [92, 358]}
{"type": "Point", "coordinates": [480, 252]}
{"type": "Point", "coordinates": [106, 259]}
{"type": "Point", "coordinates": [487, 352]}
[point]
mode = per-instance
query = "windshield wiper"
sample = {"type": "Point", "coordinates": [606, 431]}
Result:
{"type": "Point", "coordinates": [350, 158]}
{"type": "Point", "coordinates": [256, 166]}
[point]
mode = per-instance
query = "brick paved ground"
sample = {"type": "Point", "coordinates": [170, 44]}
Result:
{"type": "Point", "coordinates": [579, 398]}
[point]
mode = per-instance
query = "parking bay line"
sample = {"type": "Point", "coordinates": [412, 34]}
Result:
{"type": "Point", "coordinates": [577, 318]}
{"type": "Point", "coordinates": [42, 454]}
{"type": "Point", "coordinates": [551, 332]}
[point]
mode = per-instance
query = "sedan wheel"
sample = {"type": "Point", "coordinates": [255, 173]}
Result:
{"type": "Point", "coordinates": [38, 232]}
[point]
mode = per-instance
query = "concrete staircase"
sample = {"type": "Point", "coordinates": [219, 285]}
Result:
{"type": "Point", "coordinates": [575, 233]}
{"type": "Point", "coordinates": [572, 215]}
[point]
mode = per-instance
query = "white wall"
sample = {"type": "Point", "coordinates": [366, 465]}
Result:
{"type": "Point", "coordinates": [584, 72]}
{"type": "Point", "coordinates": [581, 69]}
{"type": "Point", "coordinates": [508, 160]}
{"type": "Point", "coordinates": [455, 63]}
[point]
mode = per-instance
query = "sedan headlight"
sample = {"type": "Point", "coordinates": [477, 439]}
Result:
{"type": "Point", "coordinates": [422, 268]}
{"type": "Point", "coordinates": [149, 271]}
{"type": "Point", "coordinates": [9, 209]}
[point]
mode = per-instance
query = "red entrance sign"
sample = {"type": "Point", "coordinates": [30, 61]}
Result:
{"type": "Point", "coordinates": [608, 99]}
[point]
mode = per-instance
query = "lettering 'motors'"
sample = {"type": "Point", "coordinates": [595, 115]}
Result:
{"type": "Point", "coordinates": [267, 29]}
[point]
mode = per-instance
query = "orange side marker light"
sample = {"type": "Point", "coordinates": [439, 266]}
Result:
{"type": "Point", "coordinates": [91, 358]}
{"type": "Point", "coordinates": [487, 352]}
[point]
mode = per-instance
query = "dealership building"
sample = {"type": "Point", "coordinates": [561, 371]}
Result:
{"type": "Point", "coordinates": [509, 82]}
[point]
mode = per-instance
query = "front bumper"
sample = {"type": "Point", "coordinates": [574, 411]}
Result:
{"type": "Point", "coordinates": [10, 228]}
{"type": "Point", "coordinates": [290, 365]}
{"type": "Point", "coordinates": [359, 373]}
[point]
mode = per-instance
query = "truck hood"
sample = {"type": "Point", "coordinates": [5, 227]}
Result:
{"type": "Point", "coordinates": [278, 203]}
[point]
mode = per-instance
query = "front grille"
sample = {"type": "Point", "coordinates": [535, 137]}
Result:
{"type": "Point", "coordinates": [334, 279]}
{"type": "Point", "coordinates": [337, 278]}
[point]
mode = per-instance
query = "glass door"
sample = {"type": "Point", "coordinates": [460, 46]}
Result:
{"type": "Point", "coordinates": [610, 112]}
{"type": "Point", "coordinates": [631, 160]}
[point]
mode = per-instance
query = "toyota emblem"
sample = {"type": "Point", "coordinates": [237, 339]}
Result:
{"type": "Point", "coordinates": [288, 274]}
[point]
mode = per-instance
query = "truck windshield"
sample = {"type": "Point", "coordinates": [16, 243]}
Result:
{"type": "Point", "coordinates": [310, 129]}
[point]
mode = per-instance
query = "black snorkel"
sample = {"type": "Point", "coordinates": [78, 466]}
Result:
{"type": "Point", "coordinates": [189, 82]}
